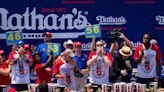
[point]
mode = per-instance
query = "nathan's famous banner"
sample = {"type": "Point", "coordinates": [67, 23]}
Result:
{"type": "Point", "coordinates": [68, 19]}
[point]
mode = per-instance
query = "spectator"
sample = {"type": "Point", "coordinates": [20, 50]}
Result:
{"type": "Point", "coordinates": [68, 44]}
{"type": "Point", "coordinates": [20, 44]}
{"type": "Point", "coordinates": [42, 49]}
{"type": "Point", "coordinates": [99, 63]}
{"type": "Point", "coordinates": [81, 60]}
{"type": "Point", "coordinates": [147, 56]}
{"type": "Point", "coordinates": [4, 70]}
{"type": "Point", "coordinates": [121, 66]}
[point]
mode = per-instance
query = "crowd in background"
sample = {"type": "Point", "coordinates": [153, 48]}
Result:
{"type": "Point", "coordinates": [74, 69]}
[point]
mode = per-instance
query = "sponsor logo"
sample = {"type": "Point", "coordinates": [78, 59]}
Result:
{"type": "Point", "coordinates": [86, 46]}
{"type": "Point", "coordinates": [135, 44]}
{"type": "Point", "coordinates": [111, 20]}
{"type": "Point", "coordinates": [160, 19]}
{"type": "Point", "coordinates": [32, 20]}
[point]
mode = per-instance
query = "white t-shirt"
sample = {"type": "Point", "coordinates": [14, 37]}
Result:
{"type": "Point", "coordinates": [20, 72]}
{"type": "Point", "coordinates": [147, 67]}
{"type": "Point", "coordinates": [99, 72]}
{"type": "Point", "coordinates": [68, 70]}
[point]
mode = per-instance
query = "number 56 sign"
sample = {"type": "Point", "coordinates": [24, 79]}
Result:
{"type": "Point", "coordinates": [13, 37]}
{"type": "Point", "coordinates": [92, 30]}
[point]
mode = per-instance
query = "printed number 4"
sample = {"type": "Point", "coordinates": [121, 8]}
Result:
{"type": "Point", "coordinates": [10, 37]}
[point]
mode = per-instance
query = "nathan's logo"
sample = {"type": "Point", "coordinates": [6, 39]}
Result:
{"type": "Point", "coordinates": [86, 46]}
{"type": "Point", "coordinates": [135, 44]}
{"type": "Point", "coordinates": [160, 20]}
{"type": "Point", "coordinates": [111, 20]}
{"type": "Point", "coordinates": [33, 21]}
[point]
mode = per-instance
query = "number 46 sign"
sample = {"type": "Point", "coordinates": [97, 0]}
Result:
{"type": "Point", "coordinates": [92, 30]}
{"type": "Point", "coordinates": [13, 37]}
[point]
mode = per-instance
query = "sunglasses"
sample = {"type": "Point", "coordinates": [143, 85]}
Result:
{"type": "Point", "coordinates": [99, 45]}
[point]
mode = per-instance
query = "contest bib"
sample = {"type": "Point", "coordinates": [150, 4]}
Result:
{"type": "Point", "coordinates": [147, 65]}
{"type": "Point", "coordinates": [66, 69]}
{"type": "Point", "coordinates": [99, 69]}
{"type": "Point", "coordinates": [21, 69]}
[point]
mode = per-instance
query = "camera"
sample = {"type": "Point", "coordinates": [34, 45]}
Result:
{"type": "Point", "coordinates": [113, 35]}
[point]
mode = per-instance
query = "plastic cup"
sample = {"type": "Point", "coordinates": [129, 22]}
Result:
{"type": "Point", "coordinates": [141, 88]}
{"type": "Point", "coordinates": [153, 86]}
{"type": "Point", "coordinates": [129, 87]}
